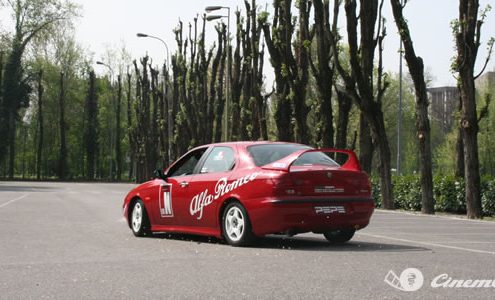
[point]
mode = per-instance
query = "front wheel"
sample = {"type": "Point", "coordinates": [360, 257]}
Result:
{"type": "Point", "coordinates": [140, 223]}
{"type": "Point", "coordinates": [339, 236]}
{"type": "Point", "coordinates": [236, 226]}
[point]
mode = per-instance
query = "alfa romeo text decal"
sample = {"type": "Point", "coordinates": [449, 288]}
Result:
{"type": "Point", "coordinates": [204, 199]}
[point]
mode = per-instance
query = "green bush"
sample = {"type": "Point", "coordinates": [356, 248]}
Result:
{"type": "Point", "coordinates": [407, 192]}
{"type": "Point", "coordinates": [375, 191]}
{"type": "Point", "coordinates": [488, 197]}
{"type": "Point", "coordinates": [448, 193]}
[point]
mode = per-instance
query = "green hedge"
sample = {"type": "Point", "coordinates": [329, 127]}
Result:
{"type": "Point", "coordinates": [448, 193]}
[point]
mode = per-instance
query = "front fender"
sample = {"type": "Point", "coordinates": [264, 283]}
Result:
{"type": "Point", "coordinates": [143, 192]}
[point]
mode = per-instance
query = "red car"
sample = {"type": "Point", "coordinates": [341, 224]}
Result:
{"type": "Point", "coordinates": [242, 190]}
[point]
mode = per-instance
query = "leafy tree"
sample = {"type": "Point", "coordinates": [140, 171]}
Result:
{"type": "Point", "coordinates": [32, 18]}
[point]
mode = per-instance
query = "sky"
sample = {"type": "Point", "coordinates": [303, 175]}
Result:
{"type": "Point", "coordinates": [111, 24]}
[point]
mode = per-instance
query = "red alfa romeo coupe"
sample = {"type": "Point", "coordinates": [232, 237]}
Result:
{"type": "Point", "coordinates": [242, 190]}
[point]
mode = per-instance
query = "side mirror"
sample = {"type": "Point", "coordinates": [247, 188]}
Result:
{"type": "Point", "coordinates": [158, 173]}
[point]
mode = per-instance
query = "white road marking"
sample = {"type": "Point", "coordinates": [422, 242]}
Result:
{"type": "Point", "coordinates": [14, 200]}
{"type": "Point", "coordinates": [427, 243]}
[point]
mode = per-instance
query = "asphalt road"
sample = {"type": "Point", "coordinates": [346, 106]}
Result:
{"type": "Point", "coordinates": [69, 240]}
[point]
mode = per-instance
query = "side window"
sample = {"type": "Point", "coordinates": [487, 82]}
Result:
{"type": "Point", "coordinates": [220, 159]}
{"type": "Point", "coordinates": [186, 165]}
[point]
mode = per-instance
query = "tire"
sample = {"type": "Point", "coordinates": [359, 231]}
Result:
{"type": "Point", "coordinates": [236, 226]}
{"type": "Point", "coordinates": [339, 236]}
{"type": "Point", "coordinates": [140, 223]}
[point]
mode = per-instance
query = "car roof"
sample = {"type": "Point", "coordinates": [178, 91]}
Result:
{"type": "Point", "coordinates": [246, 144]}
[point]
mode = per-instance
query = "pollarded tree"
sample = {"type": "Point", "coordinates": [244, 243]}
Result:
{"type": "Point", "coordinates": [248, 77]}
{"type": "Point", "coordinates": [416, 69]}
{"type": "Point", "coordinates": [467, 32]}
{"type": "Point", "coordinates": [323, 70]}
{"type": "Point", "coordinates": [290, 61]}
{"type": "Point", "coordinates": [278, 39]}
{"type": "Point", "coordinates": [360, 84]}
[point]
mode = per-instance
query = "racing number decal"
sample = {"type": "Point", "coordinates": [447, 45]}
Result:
{"type": "Point", "coordinates": [165, 200]}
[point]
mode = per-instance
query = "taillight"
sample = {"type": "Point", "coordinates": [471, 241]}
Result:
{"type": "Point", "coordinates": [283, 185]}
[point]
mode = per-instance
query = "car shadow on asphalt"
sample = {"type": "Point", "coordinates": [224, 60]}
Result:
{"type": "Point", "coordinates": [298, 243]}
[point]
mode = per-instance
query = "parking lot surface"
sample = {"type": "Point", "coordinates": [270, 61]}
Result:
{"type": "Point", "coordinates": [69, 240]}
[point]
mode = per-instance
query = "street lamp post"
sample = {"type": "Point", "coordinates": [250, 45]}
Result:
{"type": "Point", "coordinates": [111, 130]}
{"type": "Point", "coordinates": [399, 110]}
{"type": "Point", "coordinates": [156, 38]}
{"type": "Point", "coordinates": [209, 9]}
{"type": "Point", "coordinates": [169, 103]}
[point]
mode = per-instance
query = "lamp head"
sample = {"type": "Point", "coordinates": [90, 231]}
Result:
{"type": "Point", "coordinates": [213, 17]}
{"type": "Point", "coordinates": [212, 8]}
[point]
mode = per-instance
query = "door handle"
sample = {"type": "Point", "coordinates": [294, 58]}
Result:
{"type": "Point", "coordinates": [184, 184]}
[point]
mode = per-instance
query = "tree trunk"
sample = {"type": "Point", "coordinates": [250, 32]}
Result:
{"type": "Point", "coordinates": [130, 126]}
{"type": "Point", "coordinates": [164, 123]}
{"type": "Point", "coordinates": [416, 69]}
{"type": "Point", "coordinates": [459, 147]}
{"type": "Point", "coordinates": [324, 73]}
{"type": "Point", "coordinates": [91, 134]}
{"type": "Point", "coordinates": [344, 107]}
{"type": "Point", "coordinates": [11, 139]}
{"type": "Point", "coordinates": [153, 146]}
{"type": "Point", "coordinates": [459, 155]}
{"type": "Point", "coordinates": [469, 127]}
{"type": "Point", "coordinates": [214, 127]}
{"type": "Point", "coordinates": [237, 81]}
{"type": "Point", "coordinates": [219, 100]}
{"type": "Point", "coordinates": [423, 135]}
{"type": "Point", "coordinates": [366, 147]}
{"type": "Point", "coordinates": [300, 68]}
{"type": "Point", "coordinates": [118, 142]}
{"type": "Point", "coordinates": [468, 35]}
{"type": "Point", "coordinates": [39, 150]}
{"type": "Point", "coordinates": [62, 171]}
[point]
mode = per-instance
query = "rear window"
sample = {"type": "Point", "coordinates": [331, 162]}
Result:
{"type": "Point", "coordinates": [268, 153]}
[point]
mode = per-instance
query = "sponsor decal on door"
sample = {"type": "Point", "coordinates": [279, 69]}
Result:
{"type": "Point", "coordinates": [165, 200]}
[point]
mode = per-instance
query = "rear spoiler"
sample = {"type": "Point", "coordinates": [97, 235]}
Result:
{"type": "Point", "coordinates": [284, 164]}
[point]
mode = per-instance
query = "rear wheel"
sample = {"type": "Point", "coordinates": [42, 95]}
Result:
{"type": "Point", "coordinates": [339, 236]}
{"type": "Point", "coordinates": [140, 223]}
{"type": "Point", "coordinates": [236, 226]}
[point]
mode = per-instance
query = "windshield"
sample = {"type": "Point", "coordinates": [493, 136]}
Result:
{"type": "Point", "coordinates": [268, 153]}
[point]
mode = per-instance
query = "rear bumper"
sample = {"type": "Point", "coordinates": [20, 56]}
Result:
{"type": "Point", "coordinates": [298, 215]}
